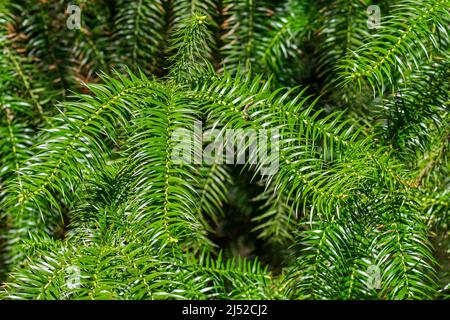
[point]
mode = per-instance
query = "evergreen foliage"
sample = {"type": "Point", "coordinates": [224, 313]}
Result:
{"type": "Point", "coordinates": [89, 188]}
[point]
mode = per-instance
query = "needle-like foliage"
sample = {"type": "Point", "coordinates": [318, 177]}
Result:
{"type": "Point", "coordinates": [238, 149]}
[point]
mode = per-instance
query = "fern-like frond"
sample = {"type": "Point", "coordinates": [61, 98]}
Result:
{"type": "Point", "coordinates": [413, 32]}
{"type": "Point", "coordinates": [44, 41]}
{"type": "Point", "coordinates": [164, 187]}
{"type": "Point", "coordinates": [343, 28]}
{"type": "Point", "coordinates": [246, 21]}
{"type": "Point", "coordinates": [415, 114]}
{"type": "Point", "coordinates": [212, 187]}
{"type": "Point", "coordinates": [279, 219]}
{"type": "Point", "coordinates": [332, 265]}
{"type": "Point", "coordinates": [191, 45]}
{"type": "Point", "coordinates": [318, 168]}
{"type": "Point", "coordinates": [91, 51]}
{"type": "Point", "coordinates": [96, 272]}
{"type": "Point", "coordinates": [79, 134]}
{"type": "Point", "coordinates": [283, 41]}
{"type": "Point", "coordinates": [403, 253]}
{"type": "Point", "coordinates": [139, 33]}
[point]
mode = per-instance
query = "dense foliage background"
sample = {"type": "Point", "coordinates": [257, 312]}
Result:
{"type": "Point", "coordinates": [93, 206]}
